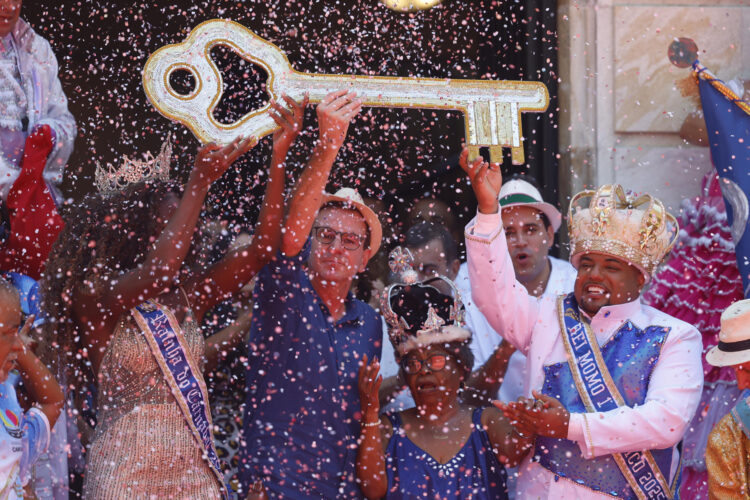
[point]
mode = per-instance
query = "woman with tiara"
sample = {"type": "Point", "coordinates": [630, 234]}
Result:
{"type": "Point", "coordinates": [124, 313]}
{"type": "Point", "coordinates": [443, 448]}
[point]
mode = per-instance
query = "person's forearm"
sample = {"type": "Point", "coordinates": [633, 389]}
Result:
{"type": "Point", "coordinates": [504, 302]}
{"type": "Point", "coordinates": [40, 385]}
{"type": "Point", "coordinates": [225, 340]}
{"type": "Point", "coordinates": [236, 269]}
{"type": "Point", "coordinates": [306, 199]}
{"type": "Point", "coordinates": [268, 232]}
{"type": "Point", "coordinates": [165, 259]}
{"type": "Point", "coordinates": [170, 249]}
{"type": "Point", "coordinates": [371, 461]}
{"type": "Point", "coordinates": [489, 377]}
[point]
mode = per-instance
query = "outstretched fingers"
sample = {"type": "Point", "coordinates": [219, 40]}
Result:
{"type": "Point", "coordinates": [241, 148]}
{"type": "Point", "coordinates": [281, 115]}
{"type": "Point", "coordinates": [27, 326]}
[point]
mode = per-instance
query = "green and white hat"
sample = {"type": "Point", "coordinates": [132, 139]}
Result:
{"type": "Point", "coordinates": [519, 193]}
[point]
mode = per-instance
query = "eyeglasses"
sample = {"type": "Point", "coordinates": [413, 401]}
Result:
{"type": "Point", "coordinates": [326, 236]}
{"type": "Point", "coordinates": [435, 363]}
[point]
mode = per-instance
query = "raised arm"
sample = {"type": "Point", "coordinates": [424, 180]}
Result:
{"type": "Point", "coordinates": [371, 452]}
{"type": "Point", "coordinates": [38, 382]}
{"type": "Point", "coordinates": [98, 310]}
{"type": "Point", "coordinates": [334, 114]}
{"type": "Point", "coordinates": [237, 268]}
{"type": "Point", "coordinates": [506, 304]}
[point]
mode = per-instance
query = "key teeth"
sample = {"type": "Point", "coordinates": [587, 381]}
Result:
{"type": "Point", "coordinates": [473, 153]}
{"type": "Point", "coordinates": [517, 156]}
{"type": "Point", "coordinates": [496, 154]}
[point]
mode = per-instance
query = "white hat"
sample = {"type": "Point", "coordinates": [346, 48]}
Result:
{"type": "Point", "coordinates": [520, 193]}
{"type": "Point", "coordinates": [350, 196]}
{"type": "Point", "coordinates": [734, 337]}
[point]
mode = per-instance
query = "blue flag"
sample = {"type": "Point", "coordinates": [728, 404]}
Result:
{"type": "Point", "coordinates": [728, 125]}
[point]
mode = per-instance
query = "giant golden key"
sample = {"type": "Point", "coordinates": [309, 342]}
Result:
{"type": "Point", "coordinates": [492, 109]}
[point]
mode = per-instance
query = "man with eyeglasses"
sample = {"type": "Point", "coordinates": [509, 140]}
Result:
{"type": "Point", "coordinates": [309, 333]}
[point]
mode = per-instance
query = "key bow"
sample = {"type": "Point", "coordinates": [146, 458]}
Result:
{"type": "Point", "coordinates": [492, 108]}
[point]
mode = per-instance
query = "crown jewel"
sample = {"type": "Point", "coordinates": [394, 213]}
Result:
{"type": "Point", "coordinates": [434, 328]}
{"type": "Point", "coordinates": [112, 180]}
{"type": "Point", "coordinates": [613, 221]}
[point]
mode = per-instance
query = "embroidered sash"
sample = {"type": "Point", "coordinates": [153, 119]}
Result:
{"type": "Point", "coordinates": [741, 412]}
{"type": "Point", "coordinates": [599, 393]}
{"type": "Point", "coordinates": [164, 337]}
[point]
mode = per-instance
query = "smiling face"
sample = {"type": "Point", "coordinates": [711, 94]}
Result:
{"type": "Point", "coordinates": [10, 342]}
{"type": "Point", "coordinates": [529, 241]}
{"type": "Point", "coordinates": [10, 10]}
{"type": "Point", "coordinates": [428, 387]}
{"type": "Point", "coordinates": [604, 280]}
{"type": "Point", "coordinates": [332, 263]}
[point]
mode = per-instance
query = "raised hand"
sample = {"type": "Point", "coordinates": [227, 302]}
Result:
{"type": "Point", "coordinates": [486, 181]}
{"type": "Point", "coordinates": [369, 387]}
{"type": "Point", "coordinates": [335, 113]}
{"type": "Point", "coordinates": [543, 416]}
{"type": "Point", "coordinates": [290, 120]}
{"type": "Point", "coordinates": [213, 160]}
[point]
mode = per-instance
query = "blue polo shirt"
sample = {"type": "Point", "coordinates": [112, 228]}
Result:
{"type": "Point", "coordinates": [301, 420]}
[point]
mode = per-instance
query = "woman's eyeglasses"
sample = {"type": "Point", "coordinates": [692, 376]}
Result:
{"type": "Point", "coordinates": [326, 236]}
{"type": "Point", "coordinates": [435, 363]}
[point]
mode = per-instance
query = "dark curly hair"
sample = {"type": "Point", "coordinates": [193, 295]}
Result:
{"type": "Point", "coordinates": [104, 236]}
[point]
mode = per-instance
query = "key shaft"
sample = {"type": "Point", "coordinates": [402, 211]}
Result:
{"type": "Point", "coordinates": [491, 108]}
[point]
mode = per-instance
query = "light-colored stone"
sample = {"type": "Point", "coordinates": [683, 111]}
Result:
{"type": "Point", "coordinates": [647, 95]}
{"type": "Point", "coordinates": [670, 174]}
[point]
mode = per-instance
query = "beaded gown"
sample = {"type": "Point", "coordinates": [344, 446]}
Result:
{"type": "Point", "coordinates": [142, 446]}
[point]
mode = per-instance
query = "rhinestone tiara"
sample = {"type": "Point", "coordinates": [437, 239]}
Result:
{"type": "Point", "coordinates": [110, 180]}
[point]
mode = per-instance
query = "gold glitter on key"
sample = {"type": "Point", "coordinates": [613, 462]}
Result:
{"type": "Point", "coordinates": [492, 109]}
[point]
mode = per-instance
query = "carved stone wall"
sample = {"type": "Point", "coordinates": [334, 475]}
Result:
{"type": "Point", "coordinates": [622, 100]}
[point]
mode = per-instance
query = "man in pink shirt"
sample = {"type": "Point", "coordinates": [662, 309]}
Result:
{"type": "Point", "coordinates": [615, 383]}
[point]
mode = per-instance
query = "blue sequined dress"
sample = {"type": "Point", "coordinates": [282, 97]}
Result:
{"type": "Point", "coordinates": [474, 473]}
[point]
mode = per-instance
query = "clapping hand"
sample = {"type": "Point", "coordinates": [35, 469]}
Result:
{"type": "Point", "coordinates": [369, 387]}
{"type": "Point", "coordinates": [486, 181]}
{"type": "Point", "coordinates": [543, 416]}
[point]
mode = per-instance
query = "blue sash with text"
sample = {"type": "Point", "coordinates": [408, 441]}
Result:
{"type": "Point", "coordinates": [164, 337]}
{"type": "Point", "coordinates": [599, 393]}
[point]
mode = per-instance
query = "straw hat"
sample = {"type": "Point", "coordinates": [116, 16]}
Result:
{"type": "Point", "coordinates": [734, 337]}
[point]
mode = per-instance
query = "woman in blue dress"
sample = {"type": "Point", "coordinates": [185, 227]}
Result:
{"type": "Point", "coordinates": [443, 448]}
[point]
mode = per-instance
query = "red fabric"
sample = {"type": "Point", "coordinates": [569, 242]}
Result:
{"type": "Point", "coordinates": [34, 220]}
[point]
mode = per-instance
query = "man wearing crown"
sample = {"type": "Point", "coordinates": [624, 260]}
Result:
{"type": "Point", "coordinates": [614, 382]}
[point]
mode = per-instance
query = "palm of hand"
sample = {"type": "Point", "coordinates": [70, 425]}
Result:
{"type": "Point", "coordinates": [369, 385]}
{"type": "Point", "coordinates": [213, 160]}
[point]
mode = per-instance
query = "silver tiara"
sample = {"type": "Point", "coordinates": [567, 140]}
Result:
{"type": "Point", "coordinates": [401, 262]}
{"type": "Point", "coordinates": [112, 180]}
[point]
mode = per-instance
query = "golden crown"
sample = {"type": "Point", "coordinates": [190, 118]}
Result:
{"type": "Point", "coordinates": [615, 222]}
{"type": "Point", "coordinates": [112, 180]}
